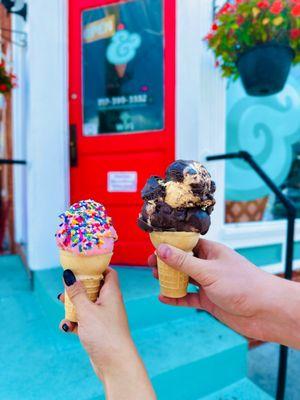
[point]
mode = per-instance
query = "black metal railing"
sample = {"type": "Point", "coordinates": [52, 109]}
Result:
{"type": "Point", "coordinates": [5, 161]}
{"type": "Point", "coordinates": [288, 272]}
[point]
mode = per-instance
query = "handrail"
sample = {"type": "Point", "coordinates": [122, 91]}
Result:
{"type": "Point", "coordinates": [5, 161]}
{"type": "Point", "coordinates": [289, 256]}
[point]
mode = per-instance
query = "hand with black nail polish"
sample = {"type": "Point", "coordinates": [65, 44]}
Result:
{"type": "Point", "coordinates": [104, 333]}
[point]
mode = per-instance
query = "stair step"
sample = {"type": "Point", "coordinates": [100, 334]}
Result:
{"type": "Point", "coordinates": [10, 268]}
{"type": "Point", "coordinates": [195, 352]}
{"type": "Point", "coordinates": [242, 390]}
{"type": "Point", "coordinates": [140, 291]}
{"type": "Point", "coordinates": [36, 365]}
{"type": "Point", "coordinates": [188, 355]}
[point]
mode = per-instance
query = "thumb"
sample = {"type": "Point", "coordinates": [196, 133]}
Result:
{"type": "Point", "coordinates": [196, 268]}
{"type": "Point", "coordinates": [76, 291]}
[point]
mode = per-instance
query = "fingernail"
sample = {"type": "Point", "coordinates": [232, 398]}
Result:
{"type": "Point", "coordinates": [65, 327]}
{"type": "Point", "coordinates": [58, 296]}
{"type": "Point", "coordinates": [164, 251]}
{"type": "Point", "coordinates": [69, 277]}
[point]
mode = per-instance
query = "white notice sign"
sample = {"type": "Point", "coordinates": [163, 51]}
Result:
{"type": "Point", "coordinates": [119, 181]}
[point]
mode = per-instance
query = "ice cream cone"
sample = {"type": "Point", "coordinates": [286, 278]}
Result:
{"type": "Point", "coordinates": [173, 283]}
{"type": "Point", "coordinates": [89, 270]}
{"type": "Point", "coordinates": [121, 69]}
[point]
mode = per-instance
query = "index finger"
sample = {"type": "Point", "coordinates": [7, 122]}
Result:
{"type": "Point", "coordinates": [207, 249]}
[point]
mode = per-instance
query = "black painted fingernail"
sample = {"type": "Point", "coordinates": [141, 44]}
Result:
{"type": "Point", "coordinates": [65, 327]}
{"type": "Point", "coordinates": [69, 277]}
{"type": "Point", "coordinates": [58, 296]}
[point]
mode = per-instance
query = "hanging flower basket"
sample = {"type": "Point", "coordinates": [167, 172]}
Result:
{"type": "Point", "coordinates": [257, 40]}
{"type": "Point", "coordinates": [254, 67]}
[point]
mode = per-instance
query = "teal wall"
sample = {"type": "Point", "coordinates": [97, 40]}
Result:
{"type": "Point", "coordinates": [263, 255]}
{"type": "Point", "coordinates": [267, 255]}
{"type": "Point", "coordinates": [297, 251]}
{"type": "Point", "coordinates": [265, 126]}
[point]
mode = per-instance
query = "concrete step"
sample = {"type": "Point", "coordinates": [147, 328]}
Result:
{"type": "Point", "coordinates": [37, 364]}
{"type": "Point", "coordinates": [175, 343]}
{"type": "Point", "coordinates": [140, 291]}
{"type": "Point", "coordinates": [188, 354]}
{"type": "Point", "coordinates": [191, 357]}
{"type": "Point", "coordinates": [241, 390]}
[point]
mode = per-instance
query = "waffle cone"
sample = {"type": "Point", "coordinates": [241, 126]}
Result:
{"type": "Point", "coordinates": [89, 270]}
{"type": "Point", "coordinates": [173, 283]}
{"type": "Point", "coordinates": [121, 69]}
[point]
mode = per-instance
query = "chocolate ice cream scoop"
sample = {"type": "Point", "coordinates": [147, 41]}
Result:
{"type": "Point", "coordinates": [182, 202]}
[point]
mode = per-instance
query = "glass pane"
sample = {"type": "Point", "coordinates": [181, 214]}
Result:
{"type": "Point", "coordinates": [123, 68]}
{"type": "Point", "coordinates": [269, 128]}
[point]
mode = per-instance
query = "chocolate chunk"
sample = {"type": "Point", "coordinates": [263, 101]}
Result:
{"type": "Point", "coordinates": [209, 210]}
{"type": "Point", "coordinates": [153, 189]}
{"type": "Point", "coordinates": [144, 226]}
{"type": "Point", "coordinates": [212, 187]}
{"type": "Point", "coordinates": [162, 218]}
{"type": "Point", "coordinates": [198, 189]}
{"type": "Point", "coordinates": [175, 171]}
{"type": "Point", "coordinates": [198, 220]}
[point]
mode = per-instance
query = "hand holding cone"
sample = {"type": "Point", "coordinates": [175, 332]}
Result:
{"type": "Point", "coordinates": [173, 283]}
{"type": "Point", "coordinates": [176, 211]}
{"type": "Point", "coordinates": [85, 239]}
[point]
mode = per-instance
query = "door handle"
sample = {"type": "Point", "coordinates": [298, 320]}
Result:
{"type": "Point", "coordinates": [73, 146]}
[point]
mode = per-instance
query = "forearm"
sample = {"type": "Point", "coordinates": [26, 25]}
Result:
{"type": "Point", "coordinates": [283, 319]}
{"type": "Point", "coordinates": [128, 379]}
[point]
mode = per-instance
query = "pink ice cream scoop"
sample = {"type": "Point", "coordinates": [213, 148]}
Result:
{"type": "Point", "coordinates": [85, 239]}
{"type": "Point", "coordinates": [86, 229]}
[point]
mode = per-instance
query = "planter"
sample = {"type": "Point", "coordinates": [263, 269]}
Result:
{"type": "Point", "coordinates": [245, 211]}
{"type": "Point", "coordinates": [264, 68]}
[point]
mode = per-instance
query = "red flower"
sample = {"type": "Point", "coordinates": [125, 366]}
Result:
{"type": "Point", "coordinates": [263, 4]}
{"type": "Point", "coordinates": [295, 33]}
{"type": "Point", "coordinates": [226, 9]}
{"type": "Point", "coordinates": [209, 36]}
{"type": "Point", "coordinates": [276, 7]}
{"type": "Point", "coordinates": [296, 11]}
{"type": "Point", "coordinates": [214, 27]}
{"type": "Point", "coordinates": [240, 20]}
{"type": "Point", "coordinates": [3, 88]}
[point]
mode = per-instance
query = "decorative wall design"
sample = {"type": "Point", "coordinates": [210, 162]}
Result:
{"type": "Point", "coordinates": [267, 128]}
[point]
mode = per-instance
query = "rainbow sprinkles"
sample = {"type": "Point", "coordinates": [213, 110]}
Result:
{"type": "Point", "coordinates": [86, 228]}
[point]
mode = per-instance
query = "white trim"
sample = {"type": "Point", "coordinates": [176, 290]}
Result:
{"type": "Point", "coordinates": [48, 164]}
{"type": "Point", "coordinates": [279, 268]}
{"type": "Point", "coordinates": [252, 234]}
{"type": "Point", "coordinates": [200, 94]}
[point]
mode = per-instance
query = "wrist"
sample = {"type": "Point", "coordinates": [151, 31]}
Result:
{"type": "Point", "coordinates": [283, 313]}
{"type": "Point", "coordinates": [122, 357]}
{"type": "Point", "coordinates": [126, 378]}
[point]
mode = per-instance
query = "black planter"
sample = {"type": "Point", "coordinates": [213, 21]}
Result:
{"type": "Point", "coordinates": [264, 68]}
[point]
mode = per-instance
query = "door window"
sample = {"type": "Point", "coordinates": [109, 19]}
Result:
{"type": "Point", "coordinates": [123, 68]}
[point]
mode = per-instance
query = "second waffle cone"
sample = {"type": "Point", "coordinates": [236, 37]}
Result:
{"type": "Point", "coordinates": [173, 283]}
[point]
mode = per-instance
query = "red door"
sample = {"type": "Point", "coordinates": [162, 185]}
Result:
{"type": "Point", "coordinates": [122, 103]}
